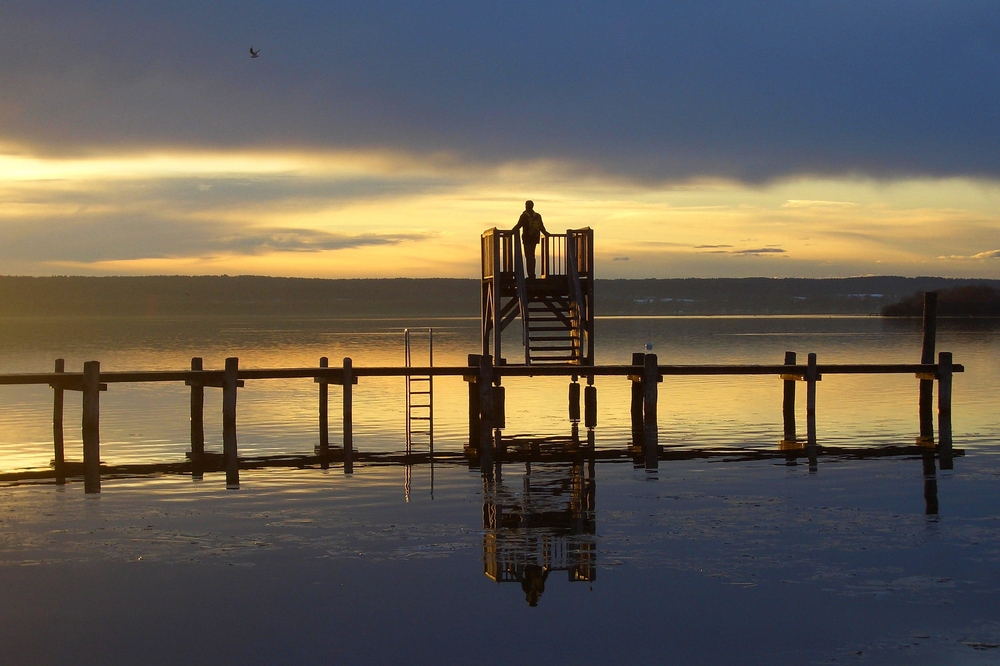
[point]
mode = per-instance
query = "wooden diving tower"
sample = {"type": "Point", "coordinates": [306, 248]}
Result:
{"type": "Point", "coordinates": [556, 309]}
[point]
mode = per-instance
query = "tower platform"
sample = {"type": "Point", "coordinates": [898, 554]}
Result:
{"type": "Point", "coordinates": [556, 308]}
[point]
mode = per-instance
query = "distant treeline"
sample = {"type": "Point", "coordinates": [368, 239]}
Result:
{"type": "Point", "coordinates": [964, 301]}
{"type": "Point", "coordinates": [268, 296]}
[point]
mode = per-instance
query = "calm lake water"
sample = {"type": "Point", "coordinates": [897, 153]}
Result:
{"type": "Point", "coordinates": [735, 558]}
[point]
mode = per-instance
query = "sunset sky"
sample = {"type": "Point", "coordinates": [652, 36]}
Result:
{"type": "Point", "coordinates": [380, 139]}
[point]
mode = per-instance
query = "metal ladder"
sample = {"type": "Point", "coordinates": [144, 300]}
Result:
{"type": "Point", "coordinates": [419, 396]}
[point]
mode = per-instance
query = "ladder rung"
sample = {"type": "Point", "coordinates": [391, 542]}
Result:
{"type": "Point", "coordinates": [420, 418]}
{"type": "Point", "coordinates": [420, 392]}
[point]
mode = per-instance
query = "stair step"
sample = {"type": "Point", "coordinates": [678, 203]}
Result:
{"type": "Point", "coordinates": [547, 338]}
{"type": "Point", "coordinates": [551, 349]}
{"type": "Point", "coordinates": [553, 359]}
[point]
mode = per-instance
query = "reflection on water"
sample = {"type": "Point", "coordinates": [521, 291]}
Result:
{"type": "Point", "coordinates": [546, 525]}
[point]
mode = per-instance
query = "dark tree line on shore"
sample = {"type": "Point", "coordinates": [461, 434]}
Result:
{"type": "Point", "coordinates": [259, 296]}
{"type": "Point", "coordinates": [965, 301]}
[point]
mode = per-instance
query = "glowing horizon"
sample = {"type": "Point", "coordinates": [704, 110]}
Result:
{"type": "Point", "coordinates": [385, 214]}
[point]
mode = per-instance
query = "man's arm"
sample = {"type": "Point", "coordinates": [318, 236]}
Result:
{"type": "Point", "coordinates": [520, 223]}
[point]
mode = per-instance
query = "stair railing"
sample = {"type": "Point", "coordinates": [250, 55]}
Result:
{"type": "Point", "coordinates": [575, 292]}
{"type": "Point", "coordinates": [522, 296]}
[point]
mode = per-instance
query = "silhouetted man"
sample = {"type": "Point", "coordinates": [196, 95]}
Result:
{"type": "Point", "coordinates": [530, 224]}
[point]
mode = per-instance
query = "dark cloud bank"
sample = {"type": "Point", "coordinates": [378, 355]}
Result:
{"type": "Point", "coordinates": [653, 90]}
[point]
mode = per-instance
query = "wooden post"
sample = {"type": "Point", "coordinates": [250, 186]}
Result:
{"type": "Point", "coordinates": [574, 401]}
{"type": "Point", "coordinates": [92, 427]}
{"type": "Point", "coordinates": [197, 422]}
{"type": "Point", "coordinates": [812, 376]}
{"type": "Point", "coordinates": [485, 382]}
{"type": "Point", "coordinates": [499, 407]}
{"type": "Point", "coordinates": [788, 403]}
{"type": "Point", "coordinates": [58, 448]}
{"type": "Point", "coordinates": [637, 398]}
{"type": "Point", "coordinates": [324, 411]}
{"type": "Point", "coordinates": [945, 374]}
{"type": "Point", "coordinates": [650, 377]}
{"type": "Point", "coordinates": [229, 448]}
{"type": "Point", "coordinates": [926, 410]}
{"type": "Point", "coordinates": [590, 404]}
{"type": "Point", "coordinates": [472, 379]}
{"type": "Point", "coordinates": [348, 376]}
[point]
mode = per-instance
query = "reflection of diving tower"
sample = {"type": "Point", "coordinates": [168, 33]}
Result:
{"type": "Point", "coordinates": [550, 526]}
{"type": "Point", "coordinates": [556, 309]}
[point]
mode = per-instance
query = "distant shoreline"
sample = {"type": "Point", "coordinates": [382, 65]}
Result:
{"type": "Point", "coordinates": [386, 298]}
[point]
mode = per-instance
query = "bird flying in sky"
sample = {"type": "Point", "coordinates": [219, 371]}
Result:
{"type": "Point", "coordinates": [254, 54]}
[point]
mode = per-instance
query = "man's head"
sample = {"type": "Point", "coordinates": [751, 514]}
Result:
{"type": "Point", "coordinates": [529, 204]}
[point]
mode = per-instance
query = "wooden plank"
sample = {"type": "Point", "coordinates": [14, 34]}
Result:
{"type": "Point", "coordinates": [92, 427]}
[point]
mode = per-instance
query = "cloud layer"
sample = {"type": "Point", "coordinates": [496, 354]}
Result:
{"type": "Point", "coordinates": [647, 90]}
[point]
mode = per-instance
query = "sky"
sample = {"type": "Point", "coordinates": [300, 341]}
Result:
{"type": "Point", "coordinates": [380, 139]}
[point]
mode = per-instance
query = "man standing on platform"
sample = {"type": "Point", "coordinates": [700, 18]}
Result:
{"type": "Point", "coordinates": [530, 224]}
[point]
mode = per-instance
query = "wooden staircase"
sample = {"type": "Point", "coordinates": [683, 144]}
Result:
{"type": "Point", "coordinates": [553, 329]}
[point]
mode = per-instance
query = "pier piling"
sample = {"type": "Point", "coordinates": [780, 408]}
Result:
{"type": "Point", "coordinates": [650, 377]}
{"type": "Point", "coordinates": [945, 371]}
{"type": "Point", "coordinates": [92, 427]}
{"type": "Point", "coordinates": [230, 452]}
{"type": "Point", "coordinates": [637, 398]}
{"type": "Point", "coordinates": [472, 379]}
{"type": "Point", "coordinates": [348, 378]}
{"type": "Point", "coordinates": [788, 401]}
{"type": "Point", "coordinates": [574, 401]}
{"type": "Point", "coordinates": [812, 376]}
{"type": "Point", "coordinates": [58, 447]}
{"type": "Point", "coordinates": [590, 404]}
{"type": "Point", "coordinates": [324, 411]}
{"type": "Point", "coordinates": [928, 341]}
{"type": "Point", "coordinates": [197, 421]}
{"type": "Point", "coordinates": [485, 382]}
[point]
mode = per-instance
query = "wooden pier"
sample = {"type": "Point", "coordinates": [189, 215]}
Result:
{"type": "Point", "coordinates": [486, 400]}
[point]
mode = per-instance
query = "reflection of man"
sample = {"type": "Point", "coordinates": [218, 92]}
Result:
{"type": "Point", "coordinates": [533, 582]}
{"type": "Point", "coordinates": [530, 224]}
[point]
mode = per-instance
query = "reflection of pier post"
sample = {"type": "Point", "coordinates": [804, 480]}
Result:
{"type": "Point", "coordinates": [650, 376]}
{"type": "Point", "coordinates": [930, 484]}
